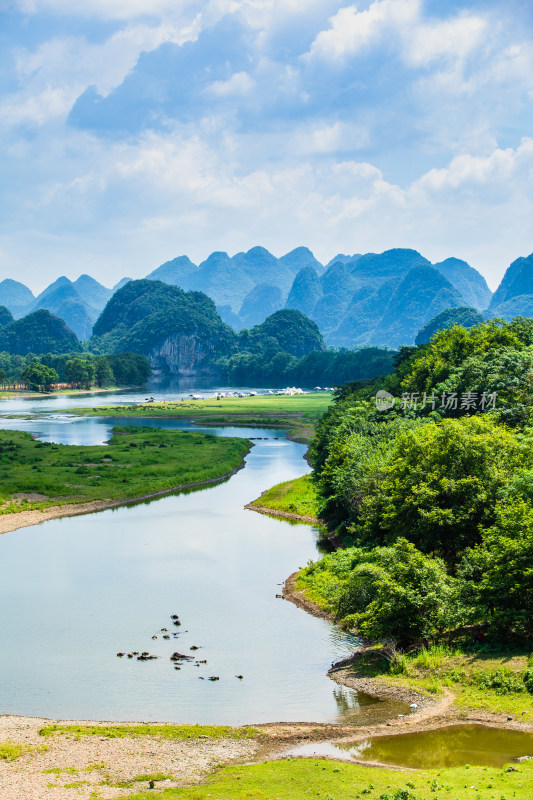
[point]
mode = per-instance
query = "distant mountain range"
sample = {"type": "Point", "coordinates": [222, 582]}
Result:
{"type": "Point", "coordinates": [362, 299]}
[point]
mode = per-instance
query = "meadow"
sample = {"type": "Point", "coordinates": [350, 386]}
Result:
{"type": "Point", "coordinates": [294, 497]}
{"type": "Point", "coordinates": [294, 779]}
{"type": "Point", "coordinates": [298, 413]}
{"type": "Point", "coordinates": [136, 462]}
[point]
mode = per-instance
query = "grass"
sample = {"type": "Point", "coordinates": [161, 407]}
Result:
{"type": "Point", "coordinates": [10, 751]}
{"type": "Point", "coordinates": [330, 780]}
{"type": "Point", "coordinates": [180, 732]}
{"type": "Point", "coordinates": [482, 678]}
{"type": "Point", "coordinates": [130, 782]}
{"type": "Point", "coordinates": [299, 413]}
{"type": "Point", "coordinates": [136, 462]}
{"type": "Point", "coordinates": [295, 497]}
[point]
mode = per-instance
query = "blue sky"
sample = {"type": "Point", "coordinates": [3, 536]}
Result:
{"type": "Point", "coordinates": [137, 130]}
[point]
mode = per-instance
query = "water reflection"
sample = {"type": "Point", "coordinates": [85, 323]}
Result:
{"type": "Point", "coordinates": [80, 590]}
{"type": "Point", "coordinates": [453, 746]}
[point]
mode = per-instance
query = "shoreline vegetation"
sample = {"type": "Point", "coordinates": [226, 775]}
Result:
{"type": "Point", "coordinates": [299, 413]}
{"type": "Point", "coordinates": [31, 393]}
{"type": "Point", "coordinates": [193, 762]}
{"type": "Point", "coordinates": [296, 499]}
{"type": "Point", "coordinates": [43, 481]}
{"type": "Point", "coordinates": [475, 683]}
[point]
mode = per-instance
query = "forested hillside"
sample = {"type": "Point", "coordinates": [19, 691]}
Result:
{"type": "Point", "coordinates": [433, 496]}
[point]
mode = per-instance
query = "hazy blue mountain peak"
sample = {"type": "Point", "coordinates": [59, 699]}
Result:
{"type": "Point", "coordinates": [467, 280]}
{"type": "Point", "coordinates": [517, 281]}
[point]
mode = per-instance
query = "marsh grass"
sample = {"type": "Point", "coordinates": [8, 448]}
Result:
{"type": "Point", "coordinates": [270, 409]}
{"type": "Point", "coordinates": [128, 783]}
{"type": "Point", "coordinates": [10, 751]}
{"type": "Point", "coordinates": [136, 462]}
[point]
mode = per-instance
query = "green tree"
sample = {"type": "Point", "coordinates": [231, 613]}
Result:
{"type": "Point", "coordinates": [498, 574]}
{"type": "Point", "coordinates": [442, 484]}
{"type": "Point", "coordinates": [388, 592]}
{"type": "Point", "coordinates": [103, 372]}
{"type": "Point", "coordinates": [80, 372]}
{"type": "Point", "coordinates": [38, 377]}
{"type": "Point", "coordinates": [130, 369]}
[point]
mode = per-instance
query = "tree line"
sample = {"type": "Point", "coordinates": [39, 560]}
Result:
{"type": "Point", "coordinates": [77, 370]}
{"type": "Point", "coordinates": [433, 500]}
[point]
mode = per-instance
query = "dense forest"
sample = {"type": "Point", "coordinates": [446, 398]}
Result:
{"type": "Point", "coordinates": [319, 367]}
{"type": "Point", "coordinates": [433, 497]}
{"type": "Point", "coordinates": [79, 370]}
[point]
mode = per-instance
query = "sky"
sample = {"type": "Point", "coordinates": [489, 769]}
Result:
{"type": "Point", "coordinates": [134, 131]}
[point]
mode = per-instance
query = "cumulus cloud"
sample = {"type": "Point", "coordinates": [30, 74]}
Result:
{"type": "Point", "coordinates": [352, 30]}
{"type": "Point", "coordinates": [240, 83]}
{"type": "Point", "coordinates": [227, 123]}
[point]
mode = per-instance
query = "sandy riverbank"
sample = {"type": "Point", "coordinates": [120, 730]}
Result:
{"type": "Point", "coordinates": [71, 766]}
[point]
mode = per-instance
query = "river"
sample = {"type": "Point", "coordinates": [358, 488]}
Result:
{"type": "Point", "coordinates": [77, 591]}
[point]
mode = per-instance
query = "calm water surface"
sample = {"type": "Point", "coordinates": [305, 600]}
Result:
{"type": "Point", "coordinates": [76, 591]}
{"type": "Point", "coordinates": [453, 746]}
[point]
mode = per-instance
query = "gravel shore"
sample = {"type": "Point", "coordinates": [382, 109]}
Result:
{"type": "Point", "coordinates": [71, 768]}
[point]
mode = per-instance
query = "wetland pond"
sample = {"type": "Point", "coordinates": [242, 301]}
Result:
{"type": "Point", "coordinates": [76, 591]}
{"type": "Point", "coordinates": [452, 746]}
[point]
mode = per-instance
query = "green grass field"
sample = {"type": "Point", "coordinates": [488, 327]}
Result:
{"type": "Point", "coordinates": [295, 497]}
{"type": "Point", "coordinates": [299, 413]}
{"type": "Point", "coordinates": [136, 462]}
{"type": "Point", "coordinates": [298, 779]}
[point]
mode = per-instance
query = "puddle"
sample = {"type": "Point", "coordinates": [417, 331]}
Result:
{"type": "Point", "coordinates": [453, 746]}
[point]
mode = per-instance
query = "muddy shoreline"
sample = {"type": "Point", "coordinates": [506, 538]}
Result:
{"type": "Point", "coordinates": [274, 512]}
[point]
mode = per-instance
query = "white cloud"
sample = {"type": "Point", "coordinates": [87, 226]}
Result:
{"type": "Point", "coordinates": [60, 70]}
{"type": "Point", "coordinates": [282, 157]}
{"type": "Point", "coordinates": [500, 169]}
{"type": "Point", "coordinates": [46, 105]}
{"type": "Point", "coordinates": [455, 38]}
{"type": "Point", "coordinates": [239, 84]}
{"type": "Point", "coordinates": [351, 30]}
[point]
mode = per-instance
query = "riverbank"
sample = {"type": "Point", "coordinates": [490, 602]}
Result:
{"type": "Point", "coordinates": [27, 394]}
{"type": "Point", "coordinates": [43, 481]}
{"type": "Point", "coordinates": [25, 519]}
{"type": "Point", "coordinates": [73, 759]}
{"type": "Point", "coordinates": [458, 682]}
{"type": "Point", "coordinates": [296, 499]}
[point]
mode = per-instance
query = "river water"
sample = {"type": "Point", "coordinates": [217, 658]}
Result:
{"type": "Point", "coordinates": [76, 591]}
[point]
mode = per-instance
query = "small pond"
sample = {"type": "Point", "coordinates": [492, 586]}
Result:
{"type": "Point", "coordinates": [454, 746]}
